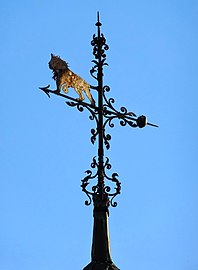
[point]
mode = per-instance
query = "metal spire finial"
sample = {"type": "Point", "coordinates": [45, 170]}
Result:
{"type": "Point", "coordinates": [100, 188]}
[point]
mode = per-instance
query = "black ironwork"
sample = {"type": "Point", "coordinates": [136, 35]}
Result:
{"type": "Point", "coordinates": [101, 194]}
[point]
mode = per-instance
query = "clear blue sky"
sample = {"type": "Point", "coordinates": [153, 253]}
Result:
{"type": "Point", "coordinates": [45, 145]}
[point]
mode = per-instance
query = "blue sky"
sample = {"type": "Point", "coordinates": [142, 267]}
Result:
{"type": "Point", "coordinates": [45, 145]}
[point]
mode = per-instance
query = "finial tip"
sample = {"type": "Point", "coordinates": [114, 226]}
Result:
{"type": "Point", "coordinates": [98, 19]}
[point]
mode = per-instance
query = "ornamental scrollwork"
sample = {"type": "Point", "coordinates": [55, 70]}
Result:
{"type": "Point", "coordinates": [96, 188]}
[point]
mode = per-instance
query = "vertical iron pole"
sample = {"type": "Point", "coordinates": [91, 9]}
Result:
{"type": "Point", "coordinates": [100, 254]}
{"type": "Point", "coordinates": [100, 114]}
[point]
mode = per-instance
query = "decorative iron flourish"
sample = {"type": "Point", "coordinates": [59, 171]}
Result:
{"type": "Point", "coordinates": [95, 189]}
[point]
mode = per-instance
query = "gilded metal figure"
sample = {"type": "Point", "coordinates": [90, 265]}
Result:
{"type": "Point", "coordinates": [65, 78]}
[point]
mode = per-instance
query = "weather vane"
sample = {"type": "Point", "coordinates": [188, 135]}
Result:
{"type": "Point", "coordinates": [100, 188]}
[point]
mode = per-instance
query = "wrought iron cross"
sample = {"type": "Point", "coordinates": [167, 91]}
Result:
{"type": "Point", "coordinates": [95, 182]}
